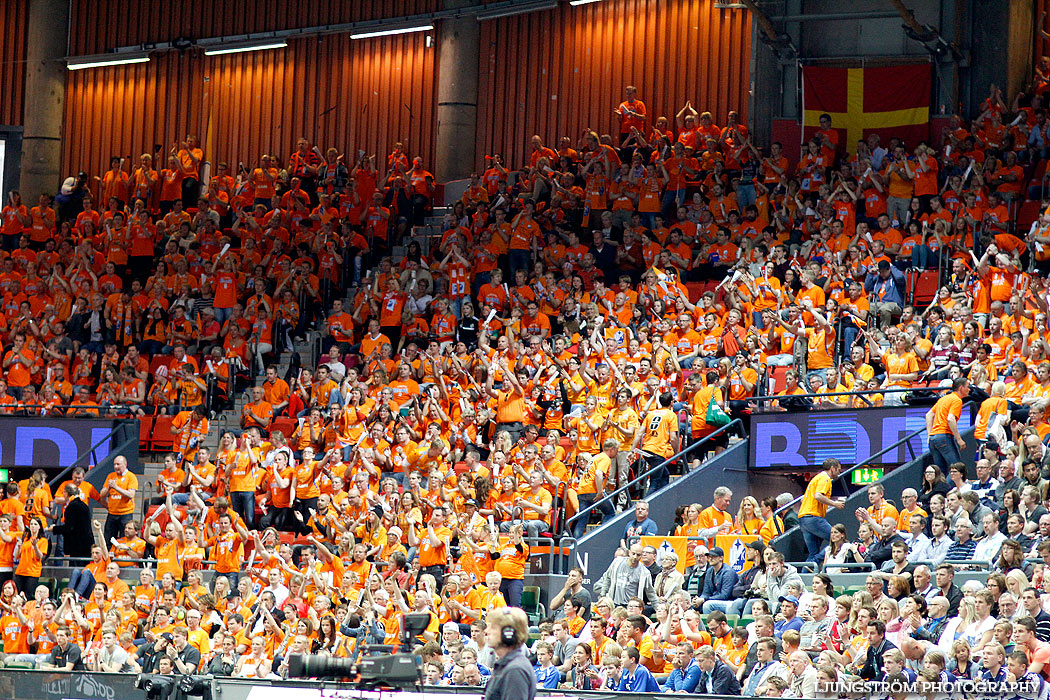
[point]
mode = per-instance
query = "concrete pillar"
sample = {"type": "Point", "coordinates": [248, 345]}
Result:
{"type": "Point", "coordinates": [458, 42]}
{"type": "Point", "coordinates": [45, 92]}
{"type": "Point", "coordinates": [1001, 48]}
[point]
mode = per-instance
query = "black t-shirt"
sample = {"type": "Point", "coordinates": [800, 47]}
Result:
{"type": "Point", "coordinates": [71, 655]}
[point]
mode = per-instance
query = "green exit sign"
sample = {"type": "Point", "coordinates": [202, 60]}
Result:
{"type": "Point", "coordinates": [3, 475]}
{"type": "Point", "coordinates": [866, 475]}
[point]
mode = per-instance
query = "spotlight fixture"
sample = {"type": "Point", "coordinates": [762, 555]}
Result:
{"type": "Point", "coordinates": [105, 59]}
{"type": "Point", "coordinates": [247, 46]}
{"type": "Point", "coordinates": [392, 31]}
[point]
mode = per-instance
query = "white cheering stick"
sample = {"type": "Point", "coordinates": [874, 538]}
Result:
{"type": "Point", "coordinates": [492, 315]}
{"type": "Point", "coordinates": [224, 250]}
{"type": "Point", "coordinates": [948, 150]}
{"type": "Point", "coordinates": [969, 169]}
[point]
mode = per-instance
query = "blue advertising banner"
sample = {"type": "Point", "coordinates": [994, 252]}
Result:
{"type": "Point", "coordinates": [783, 440]}
{"type": "Point", "coordinates": [51, 442]}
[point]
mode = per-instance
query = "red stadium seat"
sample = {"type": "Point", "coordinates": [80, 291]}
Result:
{"type": "Point", "coordinates": [777, 380]}
{"type": "Point", "coordinates": [284, 424]}
{"type": "Point", "coordinates": [162, 440]}
{"type": "Point", "coordinates": [145, 431]}
{"type": "Point", "coordinates": [158, 361]}
{"type": "Point", "coordinates": [925, 289]}
{"type": "Point", "coordinates": [1026, 215]}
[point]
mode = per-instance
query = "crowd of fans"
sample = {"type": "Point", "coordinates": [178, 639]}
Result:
{"type": "Point", "coordinates": [547, 349]}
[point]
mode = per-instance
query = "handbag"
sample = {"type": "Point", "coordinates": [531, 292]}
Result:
{"type": "Point", "coordinates": [716, 417]}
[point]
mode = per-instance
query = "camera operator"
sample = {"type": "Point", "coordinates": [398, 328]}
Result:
{"type": "Point", "coordinates": [147, 656]}
{"type": "Point", "coordinates": [184, 656]}
{"type": "Point", "coordinates": [506, 630]}
{"type": "Point", "coordinates": [224, 661]}
{"type": "Point", "coordinates": [300, 645]}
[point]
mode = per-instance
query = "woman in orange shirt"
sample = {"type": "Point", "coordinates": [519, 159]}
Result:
{"type": "Point", "coordinates": [95, 610]}
{"type": "Point", "coordinates": [170, 185]}
{"type": "Point", "coordinates": [239, 460]}
{"type": "Point", "coordinates": [510, 563]}
{"type": "Point", "coordinates": [690, 528]}
{"type": "Point", "coordinates": [387, 307]}
{"type": "Point", "coordinates": [29, 553]}
{"type": "Point", "coordinates": [748, 517]}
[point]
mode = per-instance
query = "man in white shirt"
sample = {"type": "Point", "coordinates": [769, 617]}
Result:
{"type": "Point", "coordinates": [935, 549]}
{"type": "Point", "coordinates": [988, 547]}
{"type": "Point", "coordinates": [277, 587]}
{"type": "Point", "coordinates": [916, 537]}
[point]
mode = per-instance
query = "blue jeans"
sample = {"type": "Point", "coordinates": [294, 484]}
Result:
{"type": "Point", "coordinates": [586, 500]}
{"type": "Point", "coordinates": [815, 531]}
{"type": "Point", "coordinates": [659, 477]}
{"type": "Point", "coordinates": [924, 258]}
{"type": "Point", "coordinates": [511, 588]}
{"type": "Point", "coordinates": [82, 582]}
{"type": "Point", "coordinates": [745, 195]}
{"type": "Point", "coordinates": [243, 503]}
{"type": "Point", "coordinates": [114, 527]}
{"type": "Point", "coordinates": [944, 451]}
{"type": "Point", "coordinates": [520, 260]}
{"type": "Point", "coordinates": [722, 605]}
{"type": "Point", "coordinates": [741, 606]}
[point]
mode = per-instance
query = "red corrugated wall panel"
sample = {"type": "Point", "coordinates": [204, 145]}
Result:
{"type": "Point", "coordinates": [556, 72]}
{"type": "Point", "coordinates": [552, 73]}
{"type": "Point", "coordinates": [15, 17]}
{"type": "Point", "coordinates": [336, 92]}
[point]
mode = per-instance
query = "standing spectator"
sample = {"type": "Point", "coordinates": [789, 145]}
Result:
{"type": "Point", "coordinates": [641, 526]}
{"type": "Point", "coordinates": [813, 510]}
{"type": "Point", "coordinates": [119, 495]}
{"type": "Point", "coordinates": [75, 526]}
{"type": "Point", "coordinates": [942, 425]}
{"type": "Point", "coordinates": [189, 157]}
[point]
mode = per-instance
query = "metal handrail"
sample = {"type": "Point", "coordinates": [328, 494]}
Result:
{"type": "Point", "coordinates": [673, 458]}
{"type": "Point", "coordinates": [904, 440]}
{"type": "Point", "coordinates": [862, 566]}
{"type": "Point", "coordinates": [57, 480]}
{"type": "Point", "coordinates": [862, 394]}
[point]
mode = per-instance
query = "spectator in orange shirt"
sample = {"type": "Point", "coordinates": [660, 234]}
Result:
{"type": "Point", "coordinates": [119, 494]}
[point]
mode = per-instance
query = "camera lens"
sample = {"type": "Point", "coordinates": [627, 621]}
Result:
{"type": "Point", "coordinates": [313, 666]}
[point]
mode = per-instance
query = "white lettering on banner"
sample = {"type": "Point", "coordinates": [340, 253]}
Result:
{"type": "Point", "coordinates": [582, 563]}
{"type": "Point", "coordinates": [91, 686]}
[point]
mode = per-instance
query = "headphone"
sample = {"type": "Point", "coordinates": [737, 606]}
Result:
{"type": "Point", "coordinates": [509, 636]}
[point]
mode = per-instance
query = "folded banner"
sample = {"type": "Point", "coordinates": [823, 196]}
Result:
{"type": "Point", "coordinates": [888, 100]}
{"type": "Point", "coordinates": [734, 547]}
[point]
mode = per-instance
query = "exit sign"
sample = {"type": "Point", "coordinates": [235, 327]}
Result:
{"type": "Point", "coordinates": [866, 475]}
{"type": "Point", "coordinates": [3, 475]}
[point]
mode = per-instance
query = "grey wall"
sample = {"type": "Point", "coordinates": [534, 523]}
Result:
{"type": "Point", "coordinates": [895, 481]}
{"type": "Point", "coordinates": [595, 551]}
{"type": "Point", "coordinates": [994, 36]}
{"type": "Point", "coordinates": [872, 36]}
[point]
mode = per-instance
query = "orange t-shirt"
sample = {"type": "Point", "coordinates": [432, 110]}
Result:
{"type": "Point", "coordinates": [948, 405]}
{"type": "Point", "coordinates": [117, 503]}
{"type": "Point", "coordinates": [430, 555]}
{"type": "Point", "coordinates": [29, 563]}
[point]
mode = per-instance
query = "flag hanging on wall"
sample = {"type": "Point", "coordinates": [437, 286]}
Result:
{"type": "Point", "coordinates": [888, 100]}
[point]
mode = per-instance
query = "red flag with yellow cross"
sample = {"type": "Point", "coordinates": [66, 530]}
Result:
{"type": "Point", "coordinates": [889, 100]}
